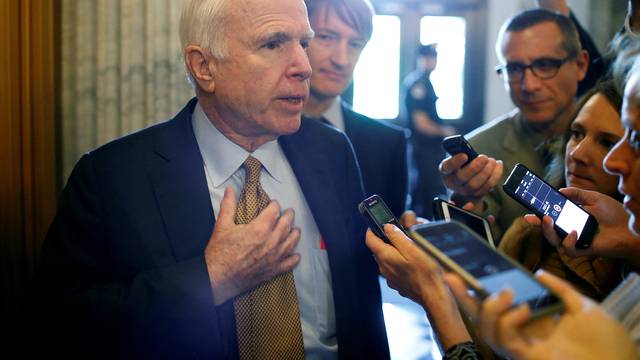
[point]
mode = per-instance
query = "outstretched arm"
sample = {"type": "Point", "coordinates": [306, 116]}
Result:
{"type": "Point", "coordinates": [572, 335]}
{"type": "Point", "coordinates": [418, 277]}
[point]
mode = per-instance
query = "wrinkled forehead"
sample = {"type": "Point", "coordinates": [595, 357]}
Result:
{"type": "Point", "coordinates": [250, 14]}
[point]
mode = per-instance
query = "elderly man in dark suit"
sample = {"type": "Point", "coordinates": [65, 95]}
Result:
{"type": "Point", "coordinates": [153, 254]}
{"type": "Point", "coordinates": [343, 28]}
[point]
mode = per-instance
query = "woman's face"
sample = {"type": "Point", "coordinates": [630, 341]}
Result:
{"type": "Point", "coordinates": [624, 158]}
{"type": "Point", "coordinates": [594, 132]}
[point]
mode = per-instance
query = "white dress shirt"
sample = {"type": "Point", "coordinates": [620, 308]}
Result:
{"type": "Point", "coordinates": [223, 167]}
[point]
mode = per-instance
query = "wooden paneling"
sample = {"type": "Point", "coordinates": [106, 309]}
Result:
{"type": "Point", "coordinates": [27, 140]}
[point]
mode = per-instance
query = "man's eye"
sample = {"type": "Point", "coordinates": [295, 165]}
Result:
{"type": "Point", "coordinates": [272, 45]}
{"type": "Point", "coordinates": [514, 68]}
{"type": "Point", "coordinates": [545, 64]}
{"type": "Point", "coordinates": [324, 37]}
{"type": "Point", "coordinates": [356, 44]}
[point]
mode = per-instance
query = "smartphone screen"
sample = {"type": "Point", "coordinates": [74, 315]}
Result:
{"type": "Point", "coordinates": [548, 201]}
{"type": "Point", "coordinates": [491, 269]}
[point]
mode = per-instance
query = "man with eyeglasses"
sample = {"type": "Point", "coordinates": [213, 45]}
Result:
{"type": "Point", "coordinates": [542, 63]}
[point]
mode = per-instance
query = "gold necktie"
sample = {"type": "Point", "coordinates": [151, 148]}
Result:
{"type": "Point", "coordinates": [267, 317]}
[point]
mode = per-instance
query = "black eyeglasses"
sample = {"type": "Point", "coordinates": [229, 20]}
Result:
{"type": "Point", "coordinates": [543, 68]}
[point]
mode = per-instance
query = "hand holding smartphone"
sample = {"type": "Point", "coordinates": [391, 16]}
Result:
{"type": "Point", "coordinates": [377, 214]}
{"type": "Point", "coordinates": [457, 144]}
{"type": "Point", "coordinates": [538, 196]}
{"type": "Point", "coordinates": [486, 270]}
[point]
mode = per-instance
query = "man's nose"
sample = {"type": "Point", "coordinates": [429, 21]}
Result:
{"type": "Point", "coordinates": [340, 54]}
{"type": "Point", "coordinates": [301, 68]}
{"type": "Point", "coordinates": [530, 81]}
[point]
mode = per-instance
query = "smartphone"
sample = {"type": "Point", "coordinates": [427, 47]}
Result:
{"type": "Point", "coordinates": [444, 210]}
{"type": "Point", "coordinates": [486, 270]}
{"type": "Point", "coordinates": [377, 213]}
{"type": "Point", "coordinates": [456, 144]}
{"type": "Point", "coordinates": [538, 196]}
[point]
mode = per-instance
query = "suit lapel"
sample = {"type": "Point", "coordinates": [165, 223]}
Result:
{"type": "Point", "coordinates": [511, 139]}
{"type": "Point", "coordinates": [316, 183]}
{"type": "Point", "coordinates": [349, 121]}
{"type": "Point", "coordinates": [180, 187]}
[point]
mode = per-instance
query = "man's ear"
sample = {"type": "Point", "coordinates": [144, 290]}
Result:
{"type": "Point", "coordinates": [582, 61]}
{"type": "Point", "coordinates": [201, 67]}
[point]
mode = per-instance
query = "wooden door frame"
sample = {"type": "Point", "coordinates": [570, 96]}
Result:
{"type": "Point", "coordinates": [28, 139]}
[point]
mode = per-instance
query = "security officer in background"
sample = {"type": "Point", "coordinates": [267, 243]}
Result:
{"type": "Point", "coordinates": [427, 131]}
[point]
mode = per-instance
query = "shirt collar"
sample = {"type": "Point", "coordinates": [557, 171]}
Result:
{"type": "Point", "coordinates": [222, 157]}
{"type": "Point", "coordinates": [334, 114]}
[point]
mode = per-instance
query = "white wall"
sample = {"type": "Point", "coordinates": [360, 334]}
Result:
{"type": "Point", "coordinates": [497, 101]}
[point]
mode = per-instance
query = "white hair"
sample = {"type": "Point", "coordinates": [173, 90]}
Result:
{"type": "Point", "coordinates": [202, 23]}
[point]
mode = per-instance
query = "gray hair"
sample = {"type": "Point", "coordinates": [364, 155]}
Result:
{"type": "Point", "coordinates": [202, 23]}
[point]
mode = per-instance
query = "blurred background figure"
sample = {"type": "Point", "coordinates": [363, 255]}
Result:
{"type": "Point", "coordinates": [427, 131]}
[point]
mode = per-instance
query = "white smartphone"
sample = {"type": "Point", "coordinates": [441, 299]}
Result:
{"type": "Point", "coordinates": [444, 210]}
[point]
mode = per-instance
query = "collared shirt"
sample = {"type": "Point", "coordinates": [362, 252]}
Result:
{"type": "Point", "coordinates": [223, 167]}
{"type": "Point", "coordinates": [334, 114]}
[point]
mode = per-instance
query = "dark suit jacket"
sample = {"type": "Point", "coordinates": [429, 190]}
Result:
{"type": "Point", "coordinates": [597, 64]}
{"type": "Point", "coordinates": [123, 270]}
{"type": "Point", "coordinates": [381, 150]}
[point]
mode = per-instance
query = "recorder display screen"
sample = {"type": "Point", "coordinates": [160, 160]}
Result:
{"type": "Point", "coordinates": [548, 201]}
{"type": "Point", "coordinates": [380, 213]}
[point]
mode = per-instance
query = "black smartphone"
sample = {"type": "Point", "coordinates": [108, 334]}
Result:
{"type": "Point", "coordinates": [538, 196]}
{"type": "Point", "coordinates": [444, 210]}
{"type": "Point", "coordinates": [377, 213]}
{"type": "Point", "coordinates": [486, 270]}
{"type": "Point", "coordinates": [456, 144]}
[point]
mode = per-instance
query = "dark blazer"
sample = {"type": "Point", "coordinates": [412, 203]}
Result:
{"type": "Point", "coordinates": [597, 64]}
{"type": "Point", "coordinates": [381, 150]}
{"type": "Point", "coordinates": [123, 271]}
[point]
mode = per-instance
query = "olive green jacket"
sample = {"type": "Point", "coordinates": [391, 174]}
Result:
{"type": "Point", "coordinates": [508, 139]}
